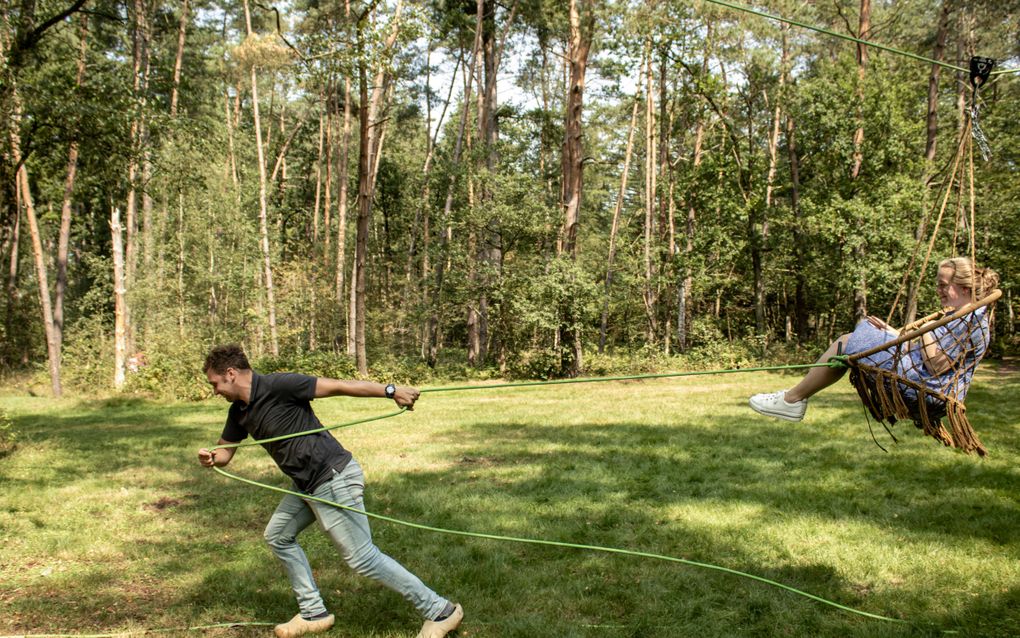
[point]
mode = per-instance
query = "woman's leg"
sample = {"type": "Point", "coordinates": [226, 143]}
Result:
{"type": "Point", "coordinates": [818, 379]}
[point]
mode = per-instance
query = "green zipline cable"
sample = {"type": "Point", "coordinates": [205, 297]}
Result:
{"type": "Point", "coordinates": [851, 38]}
{"type": "Point", "coordinates": [665, 375]}
{"type": "Point", "coordinates": [834, 362]}
{"type": "Point", "coordinates": [537, 541]}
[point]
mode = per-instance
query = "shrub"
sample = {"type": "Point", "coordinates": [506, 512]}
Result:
{"type": "Point", "coordinates": [8, 436]}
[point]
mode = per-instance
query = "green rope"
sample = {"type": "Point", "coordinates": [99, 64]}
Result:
{"type": "Point", "coordinates": [834, 362]}
{"type": "Point", "coordinates": [116, 634]}
{"type": "Point", "coordinates": [843, 36]}
{"type": "Point", "coordinates": [536, 541]}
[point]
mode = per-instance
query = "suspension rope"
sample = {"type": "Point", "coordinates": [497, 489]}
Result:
{"type": "Point", "coordinates": [850, 38]}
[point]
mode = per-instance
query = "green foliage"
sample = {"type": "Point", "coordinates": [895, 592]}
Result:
{"type": "Point", "coordinates": [724, 223]}
{"type": "Point", "coordinates": [318, 363]}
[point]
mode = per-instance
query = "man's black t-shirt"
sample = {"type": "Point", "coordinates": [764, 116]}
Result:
{"type": "Point", "coordinates": [280, 404]}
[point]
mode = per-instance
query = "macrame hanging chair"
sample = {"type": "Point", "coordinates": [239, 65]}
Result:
{"type": "Point", "coordinates": [898, 389]}
{"type": "Point", "coordinates": [891, 391]}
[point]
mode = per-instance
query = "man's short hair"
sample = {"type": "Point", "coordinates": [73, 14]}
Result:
{"type": "Point", "coordinates": [221, 358]}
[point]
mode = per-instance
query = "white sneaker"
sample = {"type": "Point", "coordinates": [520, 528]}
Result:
{"type": "Point", "coordinates": [439, 628]}
{"type": "Point", "coordinates": [774, 404]}
{"type": "Point", "coordinates": [298, 626]}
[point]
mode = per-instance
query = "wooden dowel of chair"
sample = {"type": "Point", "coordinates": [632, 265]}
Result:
{"type": "Point", "coordinates": [963, 311]}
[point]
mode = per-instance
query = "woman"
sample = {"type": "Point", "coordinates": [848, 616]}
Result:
{"type": "Point", "coordinates": [932, 360]}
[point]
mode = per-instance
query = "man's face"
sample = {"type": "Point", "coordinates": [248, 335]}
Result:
{"type": "Point", "coordinates": [224, 384]}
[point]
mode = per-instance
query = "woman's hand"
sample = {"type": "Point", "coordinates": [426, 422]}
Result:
{"type": "Point", "coordinates": [881, 325]}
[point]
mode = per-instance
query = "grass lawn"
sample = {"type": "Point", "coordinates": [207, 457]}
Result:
{"type": "Point", "coordinates": [108, 523]}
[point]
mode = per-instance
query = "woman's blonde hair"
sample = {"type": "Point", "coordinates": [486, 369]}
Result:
{"type": "Point", "coordinates": [976, 278]}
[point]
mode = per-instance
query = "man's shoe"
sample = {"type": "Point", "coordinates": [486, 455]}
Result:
{"type": "Point", "coordinates": [774, 404]}
{"type": "Point", "coordinates": [439, 628]}
{"type": "Point", "coordinates": [298, 626]}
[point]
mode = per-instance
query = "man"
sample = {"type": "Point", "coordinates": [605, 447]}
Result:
{"type": "Point", "coordinates": [272, 405]}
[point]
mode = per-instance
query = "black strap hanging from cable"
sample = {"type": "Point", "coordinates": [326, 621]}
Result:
{"type": "Point", "coordinates": [980, 69]}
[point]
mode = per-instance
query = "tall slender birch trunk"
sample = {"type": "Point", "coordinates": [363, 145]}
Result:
{"type": "Point", "coordinates": [119, 299]}
{"type": "Point", "coordinates": [648, 296]}
{"type": "Point", "coordinates": [274, 342]}
{"type": "Point", "coordinates": [773, 155]}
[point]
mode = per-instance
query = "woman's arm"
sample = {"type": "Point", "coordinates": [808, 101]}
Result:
{"type": "Point", "coordinates": [934, 357]}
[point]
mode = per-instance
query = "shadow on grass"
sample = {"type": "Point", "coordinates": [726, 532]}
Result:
{"type": "Point", "coordinates": [619, 485]}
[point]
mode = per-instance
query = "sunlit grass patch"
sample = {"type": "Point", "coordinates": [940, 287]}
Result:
{"type": "Point", "coordinates": [110, 524]}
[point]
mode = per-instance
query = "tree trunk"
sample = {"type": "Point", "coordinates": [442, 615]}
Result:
{"type": "Point", "coordinates": [368, 112]}
{"type": "Point", "coordinates": [316, 207]}
{"type": "Point", "coordinates": [773, 150]}
{"type": "Point", "coordinates": [134, 172]}
{"type": "Point", "coordinates": [616, 223]}
{"type": "Point", "coordinates": [682, 327]}
{"type": "Point", "coordinates": [181, 310]}
{"type": "Point", "coordinates": [434, 328]}
{"type": "Point", "coordinates": [651, 325]}
{"type": "Point", "coordinates": [119, 300]}
{"type": "Point", "coordinates": [52, 346]}
{"type": "Point", "coordinates": [573, 159]}
{"type": "Point", "coordinates": [341, 215]}
{"type": "Point", "coordinates": [364, 212]}
{"type": "Point", "coordinates": [274, 342]}
{"type": "Point", "coordinates": [422, 215]}
{"type": "Point", "coordinates": [182, 28]}
{"type": "Point", "coordinates": [800, 293]}
{"type": "Point", "coordinates": [328, 186]}
{"type": "Point", "coordinates": [582, 21]}
{"type": "Point", "coordinates": [863, 29]}
{"type": "Point", "coordinates": [66, 208]}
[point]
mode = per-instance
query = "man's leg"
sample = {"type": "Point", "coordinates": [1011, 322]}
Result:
{"type": "Point", "coordinates": [290, 517]}
{"type": "Point", "coordinates": [350, 532]}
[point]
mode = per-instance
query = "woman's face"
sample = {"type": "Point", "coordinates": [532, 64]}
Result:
{"type": "Point", "coordinates": [951, 295]}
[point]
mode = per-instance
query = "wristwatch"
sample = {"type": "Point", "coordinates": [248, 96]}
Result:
{"type": "Point", "coordinates": [390, 390]}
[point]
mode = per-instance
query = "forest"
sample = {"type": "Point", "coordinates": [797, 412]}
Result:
{"type": "Point", "coordinates": [422, 189]}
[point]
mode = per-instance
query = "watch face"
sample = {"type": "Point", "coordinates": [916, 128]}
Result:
{"type": "Point", "coordinates": [391, 390]}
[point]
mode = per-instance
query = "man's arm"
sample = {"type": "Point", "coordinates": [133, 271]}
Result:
{"type": "Point", "coordinates": [405, 396]}
{"type": "Point", "coordinates": [219, 457]}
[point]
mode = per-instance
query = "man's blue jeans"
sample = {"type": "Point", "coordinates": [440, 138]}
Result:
{"type": "Point", "coordinates": [350, 533]}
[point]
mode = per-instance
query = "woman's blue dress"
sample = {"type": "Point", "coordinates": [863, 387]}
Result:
{"type": "Point", "coordinates": [963, 341]}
